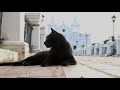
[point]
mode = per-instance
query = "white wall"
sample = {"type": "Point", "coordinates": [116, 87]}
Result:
{"type": "Point", "coordinates": [13, 26]}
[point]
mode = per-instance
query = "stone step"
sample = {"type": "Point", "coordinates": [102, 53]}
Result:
{"type": "Point", "coordinates": [8, 56]}
{"type": "Point", "coordinates": [22, 48]}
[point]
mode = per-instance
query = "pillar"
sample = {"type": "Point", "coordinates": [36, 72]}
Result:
{"type": "Point", "coordinates": [35, 41]}
{"type": "Point", "coordinates": [109, 47]}
{"type": "Point", "coordinates": [13, 33]}
{"type": "Point", "coordinates": [118, 46]}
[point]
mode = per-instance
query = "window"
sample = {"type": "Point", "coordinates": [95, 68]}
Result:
{"type": "Point", "coordinates": [85, 52]}
{"type": "Point", "coordinates": [92, 51]}
{"type": "Point", "coordinates": [104, 50]}
{"type": "Point", "coordinates": [74, 47]}
{"type": "Point", "coordinates": [63, 30]}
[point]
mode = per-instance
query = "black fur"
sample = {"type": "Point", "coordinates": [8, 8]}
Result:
{"type": "Point", "coordinates": [59, 54]}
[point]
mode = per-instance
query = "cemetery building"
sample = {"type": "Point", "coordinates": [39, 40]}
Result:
{"type": "Point", "coordinates": [76, 39]}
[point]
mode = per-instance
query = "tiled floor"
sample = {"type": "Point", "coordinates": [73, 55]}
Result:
{"type": "Point", "coordinates": [87, 67]}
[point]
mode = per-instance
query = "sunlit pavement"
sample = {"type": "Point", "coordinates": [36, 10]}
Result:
{"type": "Point", "coordinates": [87, 67]}
{"type": "Point", "coordinates": [109, 66]}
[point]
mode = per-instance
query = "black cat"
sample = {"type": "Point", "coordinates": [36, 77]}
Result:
{"type": "Point", "coordinates": [59, 54]}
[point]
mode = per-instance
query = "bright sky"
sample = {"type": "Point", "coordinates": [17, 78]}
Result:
{"type": "Point", "coordinates": [99, 24]}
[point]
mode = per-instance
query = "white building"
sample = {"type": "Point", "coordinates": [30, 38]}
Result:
{"type": "Point", "coordinates": [72, 34]}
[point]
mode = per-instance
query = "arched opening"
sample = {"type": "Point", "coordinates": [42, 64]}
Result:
{"type": "Point", "coordinates": [74, 47]}
{"type": "Point", "coordinates": [63, 30]}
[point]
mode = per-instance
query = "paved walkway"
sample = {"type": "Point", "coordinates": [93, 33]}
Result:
{"type": "Point", "coordinates": [87, 67]}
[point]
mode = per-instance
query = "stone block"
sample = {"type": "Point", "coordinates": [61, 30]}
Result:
{"type": "Point", "coordinates": [22, 48]}
{"type": "Point", "coordinates": [8, 56]}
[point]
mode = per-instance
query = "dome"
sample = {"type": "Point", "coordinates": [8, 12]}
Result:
{"type": "Point", "coordinates": [52, 23]}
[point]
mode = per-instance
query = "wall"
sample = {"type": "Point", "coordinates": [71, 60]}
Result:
{"type": "Point", "coordinates": [13, 26]}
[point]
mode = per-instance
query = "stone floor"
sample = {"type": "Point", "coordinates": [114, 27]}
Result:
{"type": "Point", "coordinates": [87, 67]}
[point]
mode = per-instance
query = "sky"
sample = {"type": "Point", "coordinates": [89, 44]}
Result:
{"type": "Point", "coordinates": [98, 24]}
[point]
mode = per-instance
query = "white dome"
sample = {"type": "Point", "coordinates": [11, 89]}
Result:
{"type": "Point", "coordinates": [52, 23]}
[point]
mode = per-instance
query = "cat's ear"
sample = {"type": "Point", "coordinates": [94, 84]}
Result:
{"type": "Point", "coordinates": [53, 31]}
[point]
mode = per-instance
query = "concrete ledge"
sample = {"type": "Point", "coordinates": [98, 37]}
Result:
{"type": "Point", "coordinates": [36, 50]}
{"type": "Point", "coordinates": [8, 56]}
{"type": "Point", "coordinates": [15, 43]}
{"type": "Point", "coordinates": [22, 48]}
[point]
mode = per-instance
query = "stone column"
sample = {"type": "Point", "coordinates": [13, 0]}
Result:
{"type": "Point", "coordinates": [36, 39]}
{"type": "Point", "coordinates": [109, 47]}
{"type": "Point", "coordinates": [13, 33]}
{"type": "Point", "coordinates": [87, 50]}
{"type": "Point", "coordinates": [42, 37]}
{"type": "Point", "coordinates": [101, 50]}
{"type": "Point", "coordinates": [118, 46]}
{"type": "Point", "coordinates": [95, 49]}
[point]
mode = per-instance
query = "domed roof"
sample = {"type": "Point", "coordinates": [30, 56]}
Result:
{"type": "Point", "coordinates": [52, 23]}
